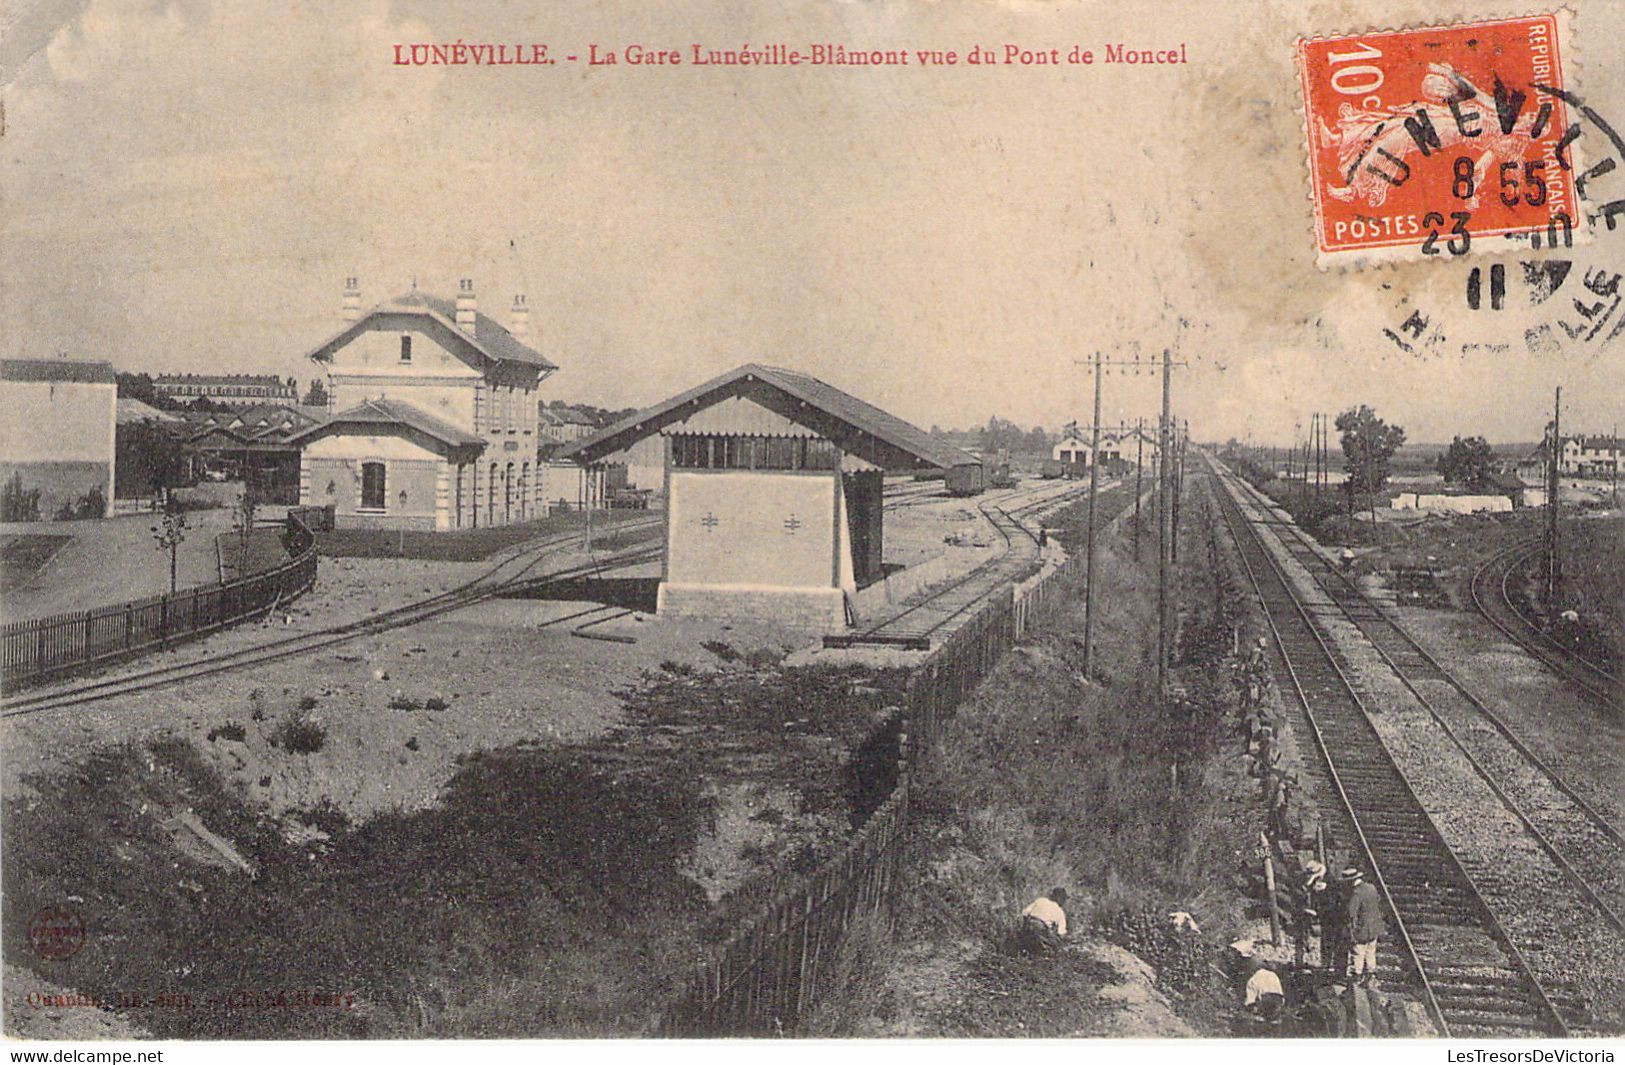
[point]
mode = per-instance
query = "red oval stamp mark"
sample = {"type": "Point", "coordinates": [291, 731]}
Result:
{"type": "Point", "coordinates": [56, 932]}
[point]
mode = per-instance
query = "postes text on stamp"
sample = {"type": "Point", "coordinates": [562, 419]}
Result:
{"type": "Point", "coordinates": [1423, 142]}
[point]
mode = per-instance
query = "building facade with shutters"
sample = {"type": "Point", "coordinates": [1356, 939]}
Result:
{"type": "Point", "coordinates": [434, 422]}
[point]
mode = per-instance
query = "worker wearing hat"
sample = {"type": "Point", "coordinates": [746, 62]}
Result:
{"type": "Point", "coordinates": [1334, 926]}
{"type": "Point", "coordinates": [1311, 901]}
{"type": "Point", "coordinates": [1365, 925]}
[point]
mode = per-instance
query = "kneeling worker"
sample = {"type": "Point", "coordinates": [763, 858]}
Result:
{"type": "Point", "coordinates": [1043, 923]}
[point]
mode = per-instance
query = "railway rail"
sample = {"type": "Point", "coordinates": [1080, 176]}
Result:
{"type": "Point", "coordinates": [1584, 843]}
{"type": "Point", "coordinates": [915, 626]}
{"type": "Point", "coordinates": [1468, 968]}
{"type": "Point", "coordinates": [1493, 599]}
{"type": "Point", "coordinates": [495, 580]}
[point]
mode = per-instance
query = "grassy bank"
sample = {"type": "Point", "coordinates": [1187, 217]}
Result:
{"type": "Point", "coordinates": [1046, 778]}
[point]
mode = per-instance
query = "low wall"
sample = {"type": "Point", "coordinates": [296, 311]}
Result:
{"type": "Point", "coordinates": [1453, 504]}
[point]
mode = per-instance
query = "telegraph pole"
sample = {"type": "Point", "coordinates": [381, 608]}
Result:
{"type": "Point", "coordinates": [1089, 549]}
{"type": "Point", "coordinates": [1553, 568]}
{"type": "Point", "coordinates": [1164, 525]}
{"type": "Point", "coordinates": [1139, 464]}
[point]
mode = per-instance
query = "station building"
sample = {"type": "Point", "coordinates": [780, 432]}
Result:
{"type": "Point", "coordinates": [773, 487]}
{"type": "Point", "coordinates": [434, 422]}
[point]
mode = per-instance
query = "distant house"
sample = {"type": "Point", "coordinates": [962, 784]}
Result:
{"type": "Point", "coordinates": [435, 415]}
{"type": "Point", "coordinates": [1591, 456]}
{"type": "Point", "coordinates": [58, 427]}
{"type": "Point", "coordinates": [1127, 443]}
{"type": "Point", "coordinates": [1117, 444]}
{"type": "Point", "coordinates": [1072, 447]}
{"type": "Point", "coordinates": [566, 424]}
{"type": "Point", "coordinates": [233, 390]}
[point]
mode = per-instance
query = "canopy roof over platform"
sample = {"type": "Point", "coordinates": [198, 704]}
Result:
{"type": "Point", "coordinates": [857, 428]}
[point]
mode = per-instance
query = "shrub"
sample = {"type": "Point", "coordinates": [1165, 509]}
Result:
{"type": "Point", "coordinates": [403, 702]}
{"type": "Point", "coordinates": [93, 504]}
{"type": "Point", "coordinates": [231, 730]}
{"type": "Point", "coordinates": [764, 658]}
{"type": "Point", "coordinates": [436, 703]}
{"type": "Point", "coordinates": [18, 503]}
{"type": "Point", "coordinates": [722, 650]}
{"type": "Point", "coordinates": [298, 734]}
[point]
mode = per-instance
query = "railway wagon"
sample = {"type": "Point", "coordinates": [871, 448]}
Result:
{"type": "Point", "coordinates": [999, 476]}
{"type": "Point", "coordinates": [1054, 469]}
{"type": "Point", "coordinates": [966, 480]}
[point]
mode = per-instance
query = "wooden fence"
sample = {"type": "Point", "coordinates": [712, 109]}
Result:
{"type": "Point", "coordinates": [776, 966]}
{"type": "Point", "coordinates": [41, 648]}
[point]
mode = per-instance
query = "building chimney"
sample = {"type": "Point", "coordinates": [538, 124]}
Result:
{"type": "Point", "coordinates": [466, 306]}
{"type": "Point", "coordinates": [521, 318]}
{"type": "Point", "coordinates": [352, 299]}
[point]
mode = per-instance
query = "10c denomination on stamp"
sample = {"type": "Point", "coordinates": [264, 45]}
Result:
{"type": "Point", "coordinates": [1425, 142]}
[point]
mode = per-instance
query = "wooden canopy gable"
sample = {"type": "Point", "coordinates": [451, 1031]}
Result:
{"type": "Point", "coordinates": [769, 401]}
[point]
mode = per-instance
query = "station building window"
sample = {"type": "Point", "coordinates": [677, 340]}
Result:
{"type": "Point", "coordinates": [372, 486]}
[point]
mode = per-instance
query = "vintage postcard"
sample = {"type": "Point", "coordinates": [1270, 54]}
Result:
{"type": "Point", "coordinates": [817, 519]}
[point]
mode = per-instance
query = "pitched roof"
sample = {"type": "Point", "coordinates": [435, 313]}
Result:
{"type": "Point", "coordinates": [392, 412]}
{"type": "Point", "coordinates": [91, 373]}
{"type": "Point", "coordinates": [916, 445]}
{"type": "Point", "coordinates": [133, 410]}
{"type": "Point", "coordinates": [567, 416]}
{"type": "Point", "coordinates": [490, 339]}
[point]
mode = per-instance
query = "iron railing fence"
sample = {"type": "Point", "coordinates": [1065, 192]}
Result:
{"type": "Point", "coordinates": [39, 649]}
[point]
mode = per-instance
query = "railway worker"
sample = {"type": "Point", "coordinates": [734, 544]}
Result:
{"type": "Point", "coordinates": [1263, 994]}
{"type": "Point", "coordinates": [1334, 927]}
{"type": "Point", "coordinates": [1043, 923]}
{"type": "Point", "coordinates": [1312, 896]}
{"type": "Point", "coordinates": [1347, 558]}
{"type": "Point", "coordinates": [1365, 925]}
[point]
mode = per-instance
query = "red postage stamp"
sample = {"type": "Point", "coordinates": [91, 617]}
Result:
{"type": "Point", "coordinates": [1427, 142]}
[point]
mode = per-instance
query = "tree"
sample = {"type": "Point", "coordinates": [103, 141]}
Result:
{"type": "Point", "coordinates": [317, 396]}
{"type": "Point", "coordinates": [1468, 462]}
{"type": "Point", "coordinates": [1038, 441]}
{"type": "Point", "coordinates": [1368, 444]}
{"type": "Point", "coordinates": [149, 458]}
{"type": "Point", "coordinates": [18, 503]}
{"type": "Point", "coordinates": [138, 386]}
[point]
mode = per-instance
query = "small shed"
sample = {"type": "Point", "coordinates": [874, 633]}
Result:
{"type": "Point", "coordinates": [773, 486]}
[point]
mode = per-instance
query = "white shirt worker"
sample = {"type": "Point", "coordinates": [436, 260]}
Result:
{"type": "Point", "coordinates": [1046, 910]}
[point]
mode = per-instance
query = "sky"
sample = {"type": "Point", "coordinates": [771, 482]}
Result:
{"type": "Point", "coordinates": [186, 185]}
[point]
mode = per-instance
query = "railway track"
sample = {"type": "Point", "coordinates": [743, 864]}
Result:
{"type": "Point", "coordinates": [1449, 944]}
{"type": "Point", "coordinates": [914, 627]}
{"type": "Point", "coordinates": [1493, 599]}
{"type": "Point", "coordinates": [1584, 843]}
{"type": "Point", "coordinates": [511, 573]}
